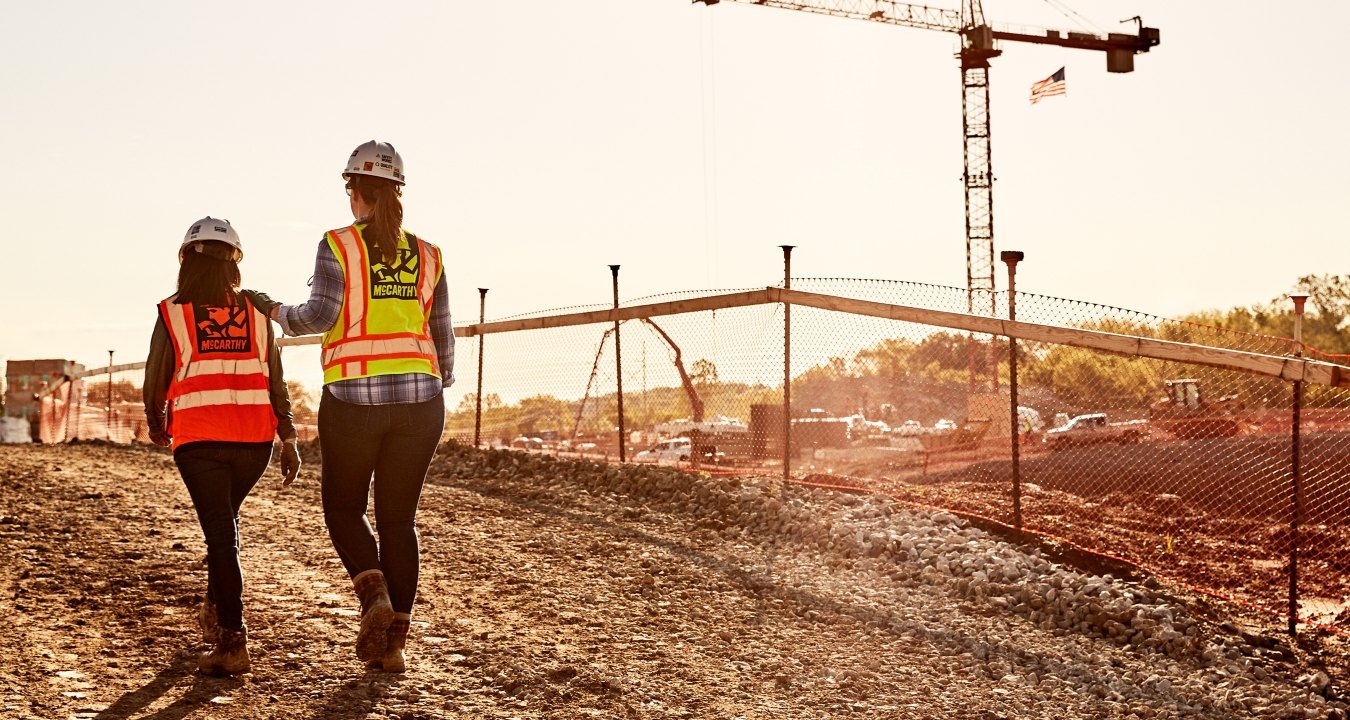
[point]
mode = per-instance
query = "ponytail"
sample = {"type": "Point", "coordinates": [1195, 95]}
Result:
{"type": "Point", "coordinates": [384, 226]}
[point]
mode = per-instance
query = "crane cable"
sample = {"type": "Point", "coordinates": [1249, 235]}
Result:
{"type": "Point", "coordinates": [1069, 13]}
{"type": "Point", "coordinates": [708, 90]}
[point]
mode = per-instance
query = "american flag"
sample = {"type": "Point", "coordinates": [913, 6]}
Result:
{"type": "Point", "coordinates": [1053, 85]}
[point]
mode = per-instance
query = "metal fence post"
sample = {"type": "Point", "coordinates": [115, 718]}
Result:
{"type": "Point", "coordinates": [1295, 451]}
{"type": "Point", "coordinates": [107, 417]}
{"type": "Point", "coordinates": [1011, 258]}
{"type": "Point", "coordinates": [618, 363]}
{"type": "Point", "coordinates": [478, 399]}
{"type": "Point", "coordinates": [787, 363]}
{"type": "Point", "coordinates": [75, 406]}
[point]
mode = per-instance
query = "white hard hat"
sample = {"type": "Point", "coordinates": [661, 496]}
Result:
{"type": "Point", "coordinates": [378, 159]}
{"type": "Point", "coordinates": [208, 229]}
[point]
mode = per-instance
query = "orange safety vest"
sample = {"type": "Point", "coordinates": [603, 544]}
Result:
{"type": "Point", "coordinates": [385, 324]}
{"type": "Point", "coordinates": [221, 385]}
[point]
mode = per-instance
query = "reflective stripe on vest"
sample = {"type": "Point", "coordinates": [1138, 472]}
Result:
{"type": "Point", "coordinates": [221, 386]}
{"type": "Point", "coordinates": [384, 325]}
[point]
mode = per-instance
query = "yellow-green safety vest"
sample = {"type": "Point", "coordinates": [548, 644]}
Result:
{"type": "Point", "coordinates": [384, 327]}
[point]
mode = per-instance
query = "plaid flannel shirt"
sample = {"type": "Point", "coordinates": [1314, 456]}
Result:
{"type": "Point", "coordinates": [320, 313]}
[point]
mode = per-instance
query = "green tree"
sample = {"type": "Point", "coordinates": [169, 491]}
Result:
{"type": "Point", "coordinates": [542, 413]}
{"type": "Point", "coordinates": [703, 372]}
{"type": "Point", "coordinates": [469, 403]}
{"type": "Point", "coordinates": [945, 350]}
{"type": "Point", "coordinates": [1087, 378]}
{"type": "Point", "coordinates": [888, 358]}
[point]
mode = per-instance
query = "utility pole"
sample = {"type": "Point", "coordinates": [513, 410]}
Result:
{"type": "Point", "coordinates": [1011, 258]}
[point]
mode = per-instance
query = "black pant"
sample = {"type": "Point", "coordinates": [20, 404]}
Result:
{"type": "Point", "coordinates": [219, 475]}
{"type": "Point", "coordinates": [393, 444]}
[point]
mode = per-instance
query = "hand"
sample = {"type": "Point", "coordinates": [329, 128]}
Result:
{"type": "Point", "coordinates": [290, 461]}
{"type": "Point", "coordinates": [261, 301]}
{"type": "Point", "coordinates": [160, 438]}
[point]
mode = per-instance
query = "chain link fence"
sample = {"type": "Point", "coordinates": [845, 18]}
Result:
{"type": "Point", "coordinates": [102, 405]}
{"type": "Point", "coordinates": [1210, 457]}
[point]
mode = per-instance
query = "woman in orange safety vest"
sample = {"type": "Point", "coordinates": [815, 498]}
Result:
{"type": "Point", "coordinates": [379, 297]}
{"type": "Point", "coordinates": [215, 367]}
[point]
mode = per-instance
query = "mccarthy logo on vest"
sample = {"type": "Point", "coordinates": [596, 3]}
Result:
{"type": "Point", "coordinates": [398, 280]}
{"type": "Point", "coordinates": [223, 329]}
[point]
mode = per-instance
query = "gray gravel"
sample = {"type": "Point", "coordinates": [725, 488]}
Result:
{"type": "Point", "coordinates": [1027, 636]}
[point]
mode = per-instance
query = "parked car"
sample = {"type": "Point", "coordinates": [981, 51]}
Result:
{"type": "Point", "coordinates": [1093, 429]}
{"type": "Point", "coordinates": [908, 428]}
{"type": "Point", "coordinates": [673, 450]}
{"type": "Point", "coordinates": [679, 450]}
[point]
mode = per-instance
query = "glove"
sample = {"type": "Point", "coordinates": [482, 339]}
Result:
{"type": "Point", "coordinates": [261, 301]}
{"type": "Point", "coordinates": [160, 438]}
{"type": "Point", "coordinates": [290, 461]}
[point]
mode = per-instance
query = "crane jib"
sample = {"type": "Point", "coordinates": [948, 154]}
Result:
{"type": "Point", "coordinates": [1146, 39]}
{"type": "Point", "coordinates": [964, 23]}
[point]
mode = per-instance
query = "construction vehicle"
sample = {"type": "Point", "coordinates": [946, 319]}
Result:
{"type": "Point", "coordinates": [1185, 413]}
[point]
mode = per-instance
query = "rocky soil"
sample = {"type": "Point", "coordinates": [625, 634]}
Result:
{"type": "Point", "coordinates": [554, 589]}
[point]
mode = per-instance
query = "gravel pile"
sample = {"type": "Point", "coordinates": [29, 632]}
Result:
{"type": "Point", "coordinates": [1126, 649]}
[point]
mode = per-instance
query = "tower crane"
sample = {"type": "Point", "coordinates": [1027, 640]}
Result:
{"type": "Point", "coordinates": [979, 44]}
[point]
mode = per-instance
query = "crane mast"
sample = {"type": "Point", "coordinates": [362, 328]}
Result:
{"type": "Point", "coordinates": [978, 47]}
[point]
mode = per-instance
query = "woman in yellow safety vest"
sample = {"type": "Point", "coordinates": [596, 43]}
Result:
{"type": "Point", "coordinates": [214, 364]}
{"type": "Point", "coordinates": [379, 297]}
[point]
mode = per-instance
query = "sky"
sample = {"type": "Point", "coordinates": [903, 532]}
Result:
{"type": "Point", "coordinates": [544, 141]}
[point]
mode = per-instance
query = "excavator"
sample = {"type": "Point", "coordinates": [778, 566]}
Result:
{"type": "Point", "coordinates": [1185, 413]}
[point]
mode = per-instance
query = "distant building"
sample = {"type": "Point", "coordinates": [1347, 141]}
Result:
{"type": "Point", "coordinates": [26, 379]}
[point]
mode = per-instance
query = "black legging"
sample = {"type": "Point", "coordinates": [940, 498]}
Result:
{"type": "Point", "coordinates": [218, 476]}
{"type": "Point", "coordinates": [393, 444]}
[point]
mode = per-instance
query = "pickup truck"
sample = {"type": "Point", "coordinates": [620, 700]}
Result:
{"type": "Point", "coordinates": [1094, 429]}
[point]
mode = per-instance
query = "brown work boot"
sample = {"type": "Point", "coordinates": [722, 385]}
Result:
{"type": "Point", "coordinates": [376, 615]}
{"type": "Point", "coordinates": [207, 620]}
{"type": "Point", "coordinates": [393, 660]}
{"type": "Point", "coordinates": [230, 656]}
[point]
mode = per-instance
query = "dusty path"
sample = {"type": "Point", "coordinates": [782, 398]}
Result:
{"type": "Point", "coordinates": [546, 593]}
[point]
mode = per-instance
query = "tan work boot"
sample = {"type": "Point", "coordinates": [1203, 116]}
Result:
{"type": "Point", "coordinates": [207, 620]}
{"type": "Point", "coordinates": [230, 656]}
{"type": "Point", "coordinates": [393, 660]}
{"type": "Point", "coordinates": [376, 615]}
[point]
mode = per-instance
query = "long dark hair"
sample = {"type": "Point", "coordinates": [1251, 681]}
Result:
{"type": "Point", "coordinates": [210, 277]}
{"type": "Point", "coordinates": [384, 226]}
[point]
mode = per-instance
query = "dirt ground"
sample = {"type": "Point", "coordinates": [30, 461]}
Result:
{"type": "Point", "coordinates": [535, 602]}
